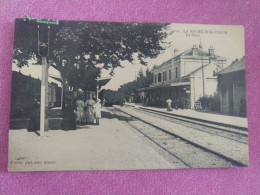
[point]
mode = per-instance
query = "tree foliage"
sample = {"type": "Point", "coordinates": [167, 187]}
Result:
{"type": "Point", "coordinates": [131, 88]}
{"type": "Point", "coordinates": [76, 48]}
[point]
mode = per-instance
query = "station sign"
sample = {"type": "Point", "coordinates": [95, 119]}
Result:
{"type": "Point", "coordinates": [47, 21]}
{"type": "Point", "coordinates": [43, 20]}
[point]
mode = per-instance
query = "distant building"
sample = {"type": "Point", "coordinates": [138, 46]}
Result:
{"type": "Point", "coordinates": [185, 78]}
{"type": "Point", "coordinates": [232, 89]}
{"type": "Point", "coordinates": [24, 89]}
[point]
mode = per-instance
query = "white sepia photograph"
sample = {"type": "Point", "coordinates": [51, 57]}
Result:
{"type": "Point", "coordinates": [127, 96]}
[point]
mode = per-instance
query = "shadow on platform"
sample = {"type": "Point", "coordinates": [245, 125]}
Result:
{"type": "Point", "coordinates": [109, 115]}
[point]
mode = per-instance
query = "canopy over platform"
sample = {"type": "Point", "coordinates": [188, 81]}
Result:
{"type": "Point", "coordinates": [103, 81]}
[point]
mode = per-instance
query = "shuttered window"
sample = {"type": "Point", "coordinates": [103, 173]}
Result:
{"type": "Point", "coordinates": [159, 77]}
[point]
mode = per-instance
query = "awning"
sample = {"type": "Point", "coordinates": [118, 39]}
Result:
{"type": "Point", "coordinates": [103, 81]}
{"type": "Point", "coordinates": [180, 84]}
{"type": "Point", "coordinates": [165, 86]}
{"type": "Point", "coordinates": [56, 78]}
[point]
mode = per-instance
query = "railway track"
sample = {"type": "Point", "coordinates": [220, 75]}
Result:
{"type": "Point", "coordinates": [186, 151]}
{"type": "Point", "coordinates": [230, 132]}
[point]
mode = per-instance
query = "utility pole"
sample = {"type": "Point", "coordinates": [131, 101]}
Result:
{"type": "Point", "coordinates": [202, 70]}
{"type": "Point", "coordinates": [43, 51]}
{"type": "Point", "coordinates": [44, 97]}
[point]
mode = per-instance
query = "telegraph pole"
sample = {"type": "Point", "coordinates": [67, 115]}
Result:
{"type": "Point", "coordinates": [202, 71]}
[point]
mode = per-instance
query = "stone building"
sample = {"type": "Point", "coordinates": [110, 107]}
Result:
{"type": "Point", "coordinates": [185, 78]}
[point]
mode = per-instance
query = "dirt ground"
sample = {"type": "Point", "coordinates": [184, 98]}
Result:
{"type": "Point", "coordinates": [109, 146]}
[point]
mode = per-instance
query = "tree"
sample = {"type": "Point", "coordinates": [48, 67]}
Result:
{"type": "Point", "coordinates": [131, 88]}
{"type": "Point", "coordinates": [76, 48]}
{"type": "Point", "coordinates": [141, 73]}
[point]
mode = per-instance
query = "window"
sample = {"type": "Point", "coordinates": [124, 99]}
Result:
{"type": "Point", "coordinates": [159, 77]}
{"type": "Point", "coordinates": [164, 76]}
{"type": "Point", "coordinates": [176, 72]}
{"type": "Point", "coordinates": [170, 74]}
{"type": "Point", "coordinates": [155, 78]}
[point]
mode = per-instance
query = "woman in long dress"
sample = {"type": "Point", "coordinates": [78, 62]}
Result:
{"type": "Point", "coordinates": [69, 113]}
{"type": "Point", "coordinates": [80, 111]}
{"type": "Point", "coordinates": [169, 104]}
{"type": "Point", "coordinates": [97, 111]}
{"type": "Point", "coordinates": [89, 113]}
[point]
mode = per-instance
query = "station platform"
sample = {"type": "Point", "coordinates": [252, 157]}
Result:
{"type": "Point", "coordinates": [112, 145]}
{"type": "Point", "coordinates": [211, 117]}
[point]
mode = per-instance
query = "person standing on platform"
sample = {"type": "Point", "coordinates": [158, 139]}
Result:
{"type": "Point", "coordinates": [80, 110]}
{"type": "Point", "coordinates": [34, 123]}
{"type": "Point", "coordinates": [97, 111]}
{"type": "Point", "coordinates": [169, 104]}
{"type": "Point", "coordinates": [69, 116]}
{"type": "Point", "coordinates": [89, 113]}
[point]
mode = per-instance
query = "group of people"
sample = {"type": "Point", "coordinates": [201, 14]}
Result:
{"type": "Point", "coordinates": [81, 112]}
{"type": "Point", "coordinates": [75, 110]}
{"type": "Point", "coordinates": [89, 111]}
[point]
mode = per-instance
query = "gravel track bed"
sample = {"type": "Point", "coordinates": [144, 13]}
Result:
{"type": "Point", "coordinates": [231, 134]}
{"type": "Point", "coordinates": [187, 153]}
{"type": "Point", "coordinates": [223, 147]}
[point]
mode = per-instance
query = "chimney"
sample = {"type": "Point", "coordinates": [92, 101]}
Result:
{"type": "Point", "coordinates": [194, 50]}
{"type": "Point", "coordinates": [176, 52]}
{"type": "Point", "coordinates": [200, 45]}
{"type": "Point", "coordinates": [211, 51]}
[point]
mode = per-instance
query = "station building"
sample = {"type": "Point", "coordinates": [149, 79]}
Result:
{"type": "Point", "coordinates": [185, 78]}
{"type": "Point", "coordinates": [232, 89]}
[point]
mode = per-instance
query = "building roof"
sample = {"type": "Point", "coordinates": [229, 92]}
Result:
{"type": "Point", "coordinates": [194, 71]}
{"type": "Point", "coordinates": [234, 67]}
{"type": "Point", "coordinates": [189, 53]}
{"type": "Point", "coordinates": [19, 75]}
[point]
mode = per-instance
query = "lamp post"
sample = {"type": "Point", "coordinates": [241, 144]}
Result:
{"type": "Point", "coordinates": [97, 91]}
{"type": "Point", "coordinates": [77, 65]}
{"type": "Point", "coordinates": [98, 78]}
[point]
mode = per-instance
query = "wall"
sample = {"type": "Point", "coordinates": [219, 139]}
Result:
{"type": "Point", "coordinates": [210, 83]}
{"type": "Point", "coordinates": [232, 98]}
{"type": "Point", "coordinates": [188, 65]}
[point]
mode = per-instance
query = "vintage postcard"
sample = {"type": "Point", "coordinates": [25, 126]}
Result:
{"type": "Point", "coordinates": [127, 96]}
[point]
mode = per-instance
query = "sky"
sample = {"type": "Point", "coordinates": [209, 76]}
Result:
{"type": "Point", "coordinates": [227, 40]}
